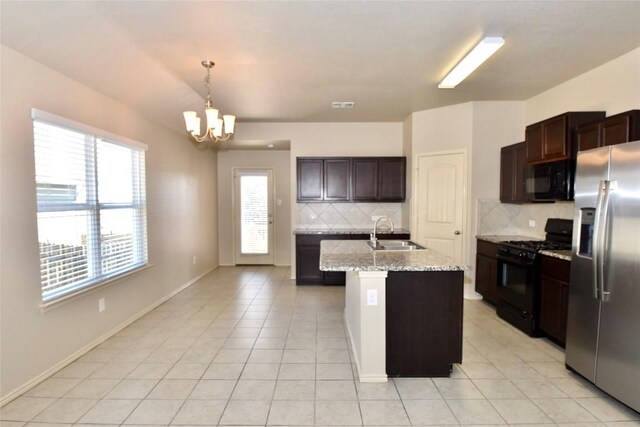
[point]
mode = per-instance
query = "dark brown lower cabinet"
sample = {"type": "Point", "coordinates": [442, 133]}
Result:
{"type": "Point", "coordinates": [423, 322]}
{"type": "Point", "coordinates": [554, 297]}
{"type": "Point", "coordinates": [308, 257]}
{"type": "Point", "coordinates": [487, 271]}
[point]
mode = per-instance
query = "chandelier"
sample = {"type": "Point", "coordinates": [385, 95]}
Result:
{"type": "Point", "coordinates": [218, 129]}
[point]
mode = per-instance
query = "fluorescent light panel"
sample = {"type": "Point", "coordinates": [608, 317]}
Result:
{"type": "Point", "coordinates": [487, 47]}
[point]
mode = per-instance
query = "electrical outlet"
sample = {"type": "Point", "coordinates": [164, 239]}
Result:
{"type": "Point", "coordinates": [532, 223]}
{"type": "Point", "coordinates": [194, 260]}
{"type": "Point", "coordinates": [102, 305]}
{"type": "Point", "coordinates": [372, 297]}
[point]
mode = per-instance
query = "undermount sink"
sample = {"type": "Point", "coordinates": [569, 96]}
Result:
{"type": "Point", "coordinates": [395, 245]}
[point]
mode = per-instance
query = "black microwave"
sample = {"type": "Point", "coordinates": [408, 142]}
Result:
{"type": "Point", "coordinates": [548, 182]}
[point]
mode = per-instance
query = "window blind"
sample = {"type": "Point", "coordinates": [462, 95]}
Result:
{"type": "Point", "coordinates": [90, 189]}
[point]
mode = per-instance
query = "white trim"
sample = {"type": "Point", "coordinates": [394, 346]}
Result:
{"type": "Point", "coordinates": [65, 298]}
{"type": "Point", "coordinates": [73, 125]}
{"type": "Point", "coordinates": [46, 374]}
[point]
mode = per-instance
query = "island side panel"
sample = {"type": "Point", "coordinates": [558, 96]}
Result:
{"type": "Point", "coordinates": [424, 322]}
{"type": "Point", "coordinates": [366, 323]}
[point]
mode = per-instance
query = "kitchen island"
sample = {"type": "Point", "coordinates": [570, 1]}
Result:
{"type": "Point", "coordinates": [403, 309]}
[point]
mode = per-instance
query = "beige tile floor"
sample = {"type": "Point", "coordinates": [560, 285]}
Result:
{"type": "Point", "coordinates": [246, 347]}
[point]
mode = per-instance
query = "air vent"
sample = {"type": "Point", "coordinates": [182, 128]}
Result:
{"type": "Point", "coordinates": [341, 105]}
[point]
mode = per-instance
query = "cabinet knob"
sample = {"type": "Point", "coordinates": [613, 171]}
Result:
{"type": "Point", "coordinates": [457, 232]}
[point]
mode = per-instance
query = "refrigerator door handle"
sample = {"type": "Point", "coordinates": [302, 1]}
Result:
{"type": "Point", "coordinates": [597, 226]}
{"type": "Point", "coordinates": [603, 240]}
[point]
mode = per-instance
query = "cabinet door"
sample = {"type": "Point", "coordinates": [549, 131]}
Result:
{"type": "Point", "coordinates": [533, 139]}
{"type": "Point", "coordinates": [551, 307]}
{"type": "Point", "coordinates": [308, 264]}
{"type": "Point", "coordinates": [520, 172]}
{"type": "Point", "coordinates": [365, 179]}
{"type": "Point", "coordinates": [588, 136]}
{"type": "Point", "coordinates": [507, 174]}
{"type": "Point", "coordinates": [513, 166]}
{"type": "Point", "coordinates": [337, 179]}
{"type": "Point", "coordinates": [392, 182]}
{"type": "Point", "coordinates": [615, 130]}
{"type": "Point", "coordinates": [310, 179]}
{"type": "Point", "coordinates": [487, 278]}
{"type": "Point", "coordinates": [555, 138]}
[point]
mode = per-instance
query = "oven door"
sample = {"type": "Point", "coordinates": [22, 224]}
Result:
{"type": "Point", "coordinates": [516, 279]}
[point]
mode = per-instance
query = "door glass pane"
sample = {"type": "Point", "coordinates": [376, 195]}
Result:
{"type": "Point", "coordinates": [514, 278]}
{"type": "Point", "coordinates": [254, 214]}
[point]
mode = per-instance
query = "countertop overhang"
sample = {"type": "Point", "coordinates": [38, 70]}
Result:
{"type": "Point", "coordinates": [357, 255]}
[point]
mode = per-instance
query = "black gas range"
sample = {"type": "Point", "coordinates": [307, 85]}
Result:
{"type": "Point", "coordinates": [519, 274]}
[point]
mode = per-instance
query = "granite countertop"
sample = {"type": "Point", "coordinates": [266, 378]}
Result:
{"type": "Point", "coordinates": [565, 255]}
{"type": "Point", "coordinates": [366, 231]}
{"type": "Point", "coordinates": [496, 238]}
{"type": "Point", "coordinates": [357, 255]}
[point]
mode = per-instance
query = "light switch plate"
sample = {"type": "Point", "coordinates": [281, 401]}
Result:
{"type": "Point", "coordinates": [532, 223]}
{"type": "Point", "coordinates": [372, 297]}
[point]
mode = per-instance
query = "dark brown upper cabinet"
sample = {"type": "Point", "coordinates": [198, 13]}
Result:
{"type": "Point", "coordinates": [364, 181]}
{"type": "Point", "coordinates": [617, 129]}
{"type": "Point", "coordinates": [358, 179]}
{"type": "Point", "coordinates": [323, 179]}
{"type": "Point", "coordinates": [555, 138]}
{"type": "Point", "coordinates": [337, 173]}
{"type": "Point", "coordinates": [513, 167]}
{"type": "Point", "coordinates": [310, 179]}
{"type": "Point", "coordinates": [392, 183]}
{"type": "Point", "coordinates": [378, 179]}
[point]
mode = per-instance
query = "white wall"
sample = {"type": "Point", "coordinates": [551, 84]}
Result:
{"type": "Point", "coordinates": [181, 191]}
{"type": "Point", "coordinates": [277, 160]}
{"type": "Point", "coordinates": [326, 139]}
{"type": "Point", "coordinates": [481, 128]}
{"type": "Point", "coordinates": [613, 87]}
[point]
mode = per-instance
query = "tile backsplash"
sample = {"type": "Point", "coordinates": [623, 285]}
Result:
{"type": "Point", "coordinates": [347, 215]}
{"type": "Point", "coordinates": [503, 218]}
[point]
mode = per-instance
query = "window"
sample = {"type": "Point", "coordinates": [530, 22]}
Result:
{"type": "Point", "coordinates": [90, 189]}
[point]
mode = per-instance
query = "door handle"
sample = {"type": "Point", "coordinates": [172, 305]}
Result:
{"type": "Point", "coordinates": [457, 232]}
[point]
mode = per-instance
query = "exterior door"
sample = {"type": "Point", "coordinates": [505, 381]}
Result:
{"type": "Point", "coordinates": [253, 216]}
{"type": "Point", "coordinates": [440, 203]}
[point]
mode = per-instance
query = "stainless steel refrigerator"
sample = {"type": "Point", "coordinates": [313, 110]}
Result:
{"type": "Point", "coordinates": [603, 325]}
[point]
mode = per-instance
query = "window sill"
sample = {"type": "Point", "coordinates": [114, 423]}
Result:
{"type": "Point", "coordinates": [58, 302]}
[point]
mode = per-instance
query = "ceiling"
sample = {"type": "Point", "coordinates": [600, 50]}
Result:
{"type": "Point", "coordinates": [279, 61]}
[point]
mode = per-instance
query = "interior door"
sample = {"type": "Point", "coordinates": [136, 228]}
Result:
{"type": "Point", "coordinates": [440, 203]}
{"type": "Point", "coordinates": [253, 216]}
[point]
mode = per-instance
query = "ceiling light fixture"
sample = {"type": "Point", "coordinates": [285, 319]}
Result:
{"type": "Point", "coordinates": [487, 47]}
{"type": "Point", "coordinates": [218, 129]}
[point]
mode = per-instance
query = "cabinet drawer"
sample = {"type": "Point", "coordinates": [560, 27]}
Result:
{"type": "Point", "coordinates": [556, 268]}
{"type": "Point", "coordinates": [487, 249]}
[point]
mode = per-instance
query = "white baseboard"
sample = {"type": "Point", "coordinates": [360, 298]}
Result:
{"type": "Point", "coordinates": [46, 374]}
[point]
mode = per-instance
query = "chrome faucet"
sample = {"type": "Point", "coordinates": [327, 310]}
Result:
{"type": "Point", "coordinates": [372, 236]}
